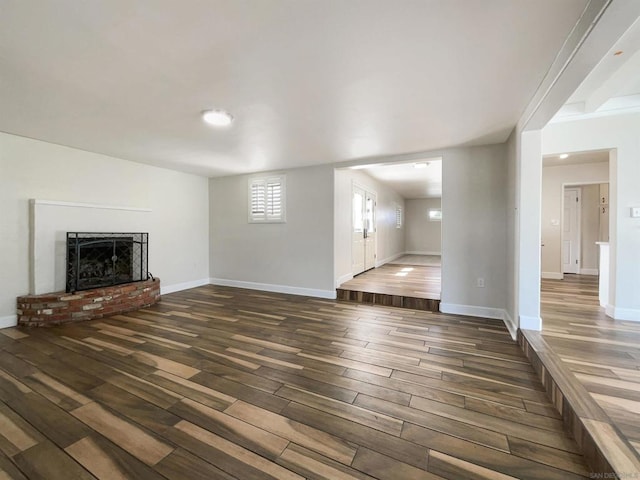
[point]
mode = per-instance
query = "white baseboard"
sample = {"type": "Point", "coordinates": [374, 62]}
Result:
{"type": "Point", "coordinates": [510, 324]}
{"type": "Point", "coordinates": [269, 287]}
{"type": "Point", "coordinates": [530, 323]}
{"type": "Point", "coordinates": [589, 271]}
{"type": "Point", "coordinates": [422, 253]}
{"type": "Point", "coordinates": [472, 310]}
{"type": "Point", "coordinates": [388, 259]}
{"type": "Point", "coordinates": [629, 314]}
{"type": "Point", "coordinates": [8, 321]}
{"type": "Point", "coordinates": [176, 287]}
{"type": "Point", "coordinates": [552, 275]}
{"type": "Point", "coordinates": [343, 279]}
{"type": "Point", "coordinates": [609, 310]}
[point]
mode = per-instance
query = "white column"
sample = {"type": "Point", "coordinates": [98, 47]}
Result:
{"type": "Point", "coordinates": [529, 238]}
{"type": "Point", "coordinates": [603, 287]}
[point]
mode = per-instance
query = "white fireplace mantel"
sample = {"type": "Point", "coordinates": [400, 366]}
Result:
{"type": "Point", "coordinates": [49, 222]}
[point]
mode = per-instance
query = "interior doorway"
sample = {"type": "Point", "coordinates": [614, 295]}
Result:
{"type": "Point", "coordinates": [388, 228]}
{"type": "Point", "coordinates": [575, 225]}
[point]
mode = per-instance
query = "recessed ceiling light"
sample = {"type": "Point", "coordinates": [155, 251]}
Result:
{"type": "Point", "coordinates": [361, 167]}
{"type": "Point", "coordinates": [563, 156]}
{"type": "Point", "coordinates": [420, 165]}
{"type": "Point", "coordinates": [217, 118]}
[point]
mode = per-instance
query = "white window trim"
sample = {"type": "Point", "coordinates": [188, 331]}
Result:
{"type": "Point", "coordinates": [265, 181]}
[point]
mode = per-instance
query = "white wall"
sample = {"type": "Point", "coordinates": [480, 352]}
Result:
{"type": "Point", "coordinates": [523, 187]}
{"type": "Point", "coordinates": [295, 257]}
{"type": "Point", "coordinates": [619, 133]}
{"type": "Point", "coordinates": [422, 236]}
{"type": "Point", "coordinates": [553, 180]}
{"type": "Point", "coordinates": [512, 219]}
{"type": "Point", "coordinates": [390, 240]}
{"type": "Point", "coordinates": [177, 223]}
{"type": "Point", "coordinates": [474, 230]}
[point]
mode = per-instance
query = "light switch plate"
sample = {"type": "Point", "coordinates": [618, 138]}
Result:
{"type": "Point", "coordinates": [635, 212]}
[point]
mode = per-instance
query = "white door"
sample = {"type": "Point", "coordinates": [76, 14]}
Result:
{"type": "Point", "coordinates": [363, 251]}
{"type": "Point", "coordinates": [370, 231]}
{"type": "Point", "coordinates": [571, 231]}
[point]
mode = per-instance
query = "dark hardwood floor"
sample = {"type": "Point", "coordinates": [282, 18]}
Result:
{"type": "Point", "coordinates": [603, 354]}
{"type": "Point", "coordinates": [221, 383]}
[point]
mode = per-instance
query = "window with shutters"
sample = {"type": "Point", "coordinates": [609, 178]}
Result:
{"type": "Point", "coordinates": [398, 216]}
{"type": "Point", "coordinates": [267, 199]}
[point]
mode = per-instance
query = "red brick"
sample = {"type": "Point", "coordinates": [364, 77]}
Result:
{"type": "Point", "coordinates": [61, 307]}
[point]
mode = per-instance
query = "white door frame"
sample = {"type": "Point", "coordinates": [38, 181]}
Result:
{"type": "Point", "coordinates": [371, 254]}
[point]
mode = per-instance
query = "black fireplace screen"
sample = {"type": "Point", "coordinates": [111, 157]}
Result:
{"type": "Point", "coordinates": [102, 259]}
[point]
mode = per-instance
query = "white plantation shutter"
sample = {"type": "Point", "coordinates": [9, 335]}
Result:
{"type": "Point", "coordinates": [274, 200]}
{"type": "Point", "coordinates": [256, 200]}
{"type": "Point", "coordinates": [267, 199]}
{"type": "Point", "coordinates": [398, 216]}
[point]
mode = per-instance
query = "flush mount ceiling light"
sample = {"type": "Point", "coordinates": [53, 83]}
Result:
{"type": "Point", "coordinates": [421, 165]}
{"type": "Point", "coordinates": [217, 118]}
{"type": "Point", "coordinates": [563, 156]}
{"type": "Point", "coordinates": [360, 167]}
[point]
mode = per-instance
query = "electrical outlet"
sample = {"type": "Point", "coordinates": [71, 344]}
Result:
{"type": "Point", "coordinates": [480, 282]}
{"type": "Point", "coordinates": [635, 212]}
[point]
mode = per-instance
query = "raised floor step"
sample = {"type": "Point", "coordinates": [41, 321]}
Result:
{"type": "Point", "coordinates": [402, 301]}
{"type": "Point", "coordinates": [604, 447]}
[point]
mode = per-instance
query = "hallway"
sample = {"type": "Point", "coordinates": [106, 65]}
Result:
{"type": "Point", "coordinates": [412, 281]}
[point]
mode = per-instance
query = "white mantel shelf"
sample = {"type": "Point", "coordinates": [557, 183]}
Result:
{"type": "Point", "coordinates": [57, 203]}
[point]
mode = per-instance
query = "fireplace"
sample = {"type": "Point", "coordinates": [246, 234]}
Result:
{"type": "Point", "coordinates": [96, 260]}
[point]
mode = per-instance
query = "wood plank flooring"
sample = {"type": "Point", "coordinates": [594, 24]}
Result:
{"type": "Point", "coordinates": [413, 259]}
{"type": "Point", "coordinates": [418, 281]}
{"type": "Point", "coordinates": [399, 285]}
{"type": "Point", "coordinates": [223, 383]}
{"type": "Point", "coordinates": [603, 354]}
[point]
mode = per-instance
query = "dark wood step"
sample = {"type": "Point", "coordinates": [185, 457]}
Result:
{"type": "Point", "coordinates": [604, 447]}
{"type": "Point", "coordinates": [400, 301]}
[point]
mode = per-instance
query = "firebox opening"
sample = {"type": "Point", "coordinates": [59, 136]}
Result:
{"type": "Point", "coordinates": [97, 260]}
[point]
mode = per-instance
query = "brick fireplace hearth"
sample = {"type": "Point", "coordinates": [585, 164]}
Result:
{"type": "Point", "coordinates": [60, 307]}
